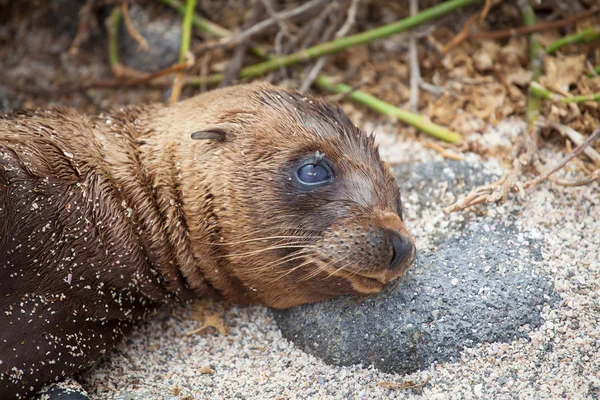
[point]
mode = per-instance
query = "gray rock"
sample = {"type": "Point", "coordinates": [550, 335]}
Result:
{"type": "Point", "coordinates": [163, 33]}
{"type": "Point", "coordinates": [479, 285]}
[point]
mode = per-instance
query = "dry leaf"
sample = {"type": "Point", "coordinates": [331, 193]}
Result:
{"type": "Point", "coordinates": [485, 58]}
{"type": "Point", "coordinates": [212, 321]}
{"type": "Point", "coordinates": [561, 73]}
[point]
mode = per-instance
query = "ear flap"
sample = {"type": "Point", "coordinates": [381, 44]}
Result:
{"type": "Point", "coordinates": [209, 134]}
{"type": "Point", "coordinates": [218, 132]}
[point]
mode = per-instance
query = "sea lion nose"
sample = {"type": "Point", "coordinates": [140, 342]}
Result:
{"type": "Point", "coordinates": [401, 247]}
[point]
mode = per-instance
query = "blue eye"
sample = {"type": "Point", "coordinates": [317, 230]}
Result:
{"type": "Point", "coordinates": [311, 174]}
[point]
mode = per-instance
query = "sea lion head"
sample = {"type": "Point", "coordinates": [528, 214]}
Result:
{"type": "Point", "coordinates": [303, 208]}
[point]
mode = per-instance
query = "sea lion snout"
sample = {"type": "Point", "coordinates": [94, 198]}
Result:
{"type": "Point", "coordinates": [402, 247]}
{"type": "Point", "coordinates": [362, 251]}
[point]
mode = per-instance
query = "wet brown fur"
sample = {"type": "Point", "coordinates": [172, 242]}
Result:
{"type": "Point", "coordinates": [102, 219]}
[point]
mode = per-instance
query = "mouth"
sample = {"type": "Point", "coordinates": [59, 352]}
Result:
{"type": "Point", "coordinates": [370, 282]}
{"type": "Point", "coordinates": [361, 282]}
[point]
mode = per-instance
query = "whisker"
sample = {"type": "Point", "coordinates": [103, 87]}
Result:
{"type": "Point", "coordinates": [320, 268]}
{"type": "Point", "coordinates": [279, 228]}
{"type": "Point", "coordinates": [313, 274]}
{"type": "Point", "coordinates": [256, 240]}
{"type": "Point", "coordinates": [340, 268]}
{"type": "Point", "coordinates": [277, 247]}
{"type": "Point", "coordinates": [327, 264]}
{"type": "Point", "coordinates": [289, 258]}
{"type": "Point", "coordinates": [293, 269]}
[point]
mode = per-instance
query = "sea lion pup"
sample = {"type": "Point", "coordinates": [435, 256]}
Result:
{"type": "Point", "coordinates": [251, 193]}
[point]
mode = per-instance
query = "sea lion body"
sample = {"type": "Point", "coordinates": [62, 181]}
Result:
{"type": "Point", "coordinates": [282, 201]}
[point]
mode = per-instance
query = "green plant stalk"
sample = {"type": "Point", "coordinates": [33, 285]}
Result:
{"type": "Point", "coordinates": [207, 26]}
{"type": "Point", "coordinates": [199, 22]}
{"type": "Point", "coordinates": [597, 70]}
{"type": "Point", "coordinates": [340, 44]}
{"type": "Point", "coordinates": [323, 82]}
{"type": "Point", "coordinates": [585, 36]}
{"type": "Point", "coordinates": [541, 92]}
{"type": "Point", "coordinates": [114, 23]}
{"type": "Point", "coordinates": [385, 108]}
{"type": "Point", "coordinates": [186, 29]}
{"type": "Point", "coordinates": [535, 59]}
{"type": "Point", "coordinates": [581, 99]}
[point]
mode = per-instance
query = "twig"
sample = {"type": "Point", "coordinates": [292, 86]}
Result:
{"type": "Point", "coordinates": [415, 72]}
{"type": "Point", "coordinates": [186, 33]}
{"type": "Point", "coordinates": [585, 181]}
{"type": "Point", "coordinates": [105, 84]}
{"type": "Point", "coordinates": [337, 45]}
{"type": "Point", "coordinates": [276, 17]}
{"type": "Point", "coordinates": [237, 60]}
{"type": "Point", "coordinates": [485, 10]}
{"type": "Point", "coordinates": [578, 139]}
{"type": "Point", "coordinates": [310, 33]}
{"type": "Point", "coordinates": [344, 29]}
{"type": "Point", "coordinates": [578, 150]}
{"type": "Point", "coordinates": [315, 70]}
{"type": "Point", "coordinates": [585, 36]}
{"type": "Point", "coordinates": [460, 36]}
{"type": "Point", "coordinates": [444, 152]}
{"type": "Point", "coordinates": [350, 19]}
{"type": "Point", "coordinates": [519, 31]}
{"type": "Point", "coordinates": [234, 39]}
{"type": "Point", "coordinates": [384, 108]}
{"type": "Point", "coordinates": [83, 29]}
{"type": "Point", "coordinates": [142, 42]}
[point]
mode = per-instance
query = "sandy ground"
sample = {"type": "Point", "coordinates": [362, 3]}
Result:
{"type": "Point", "coordinates": [560, 360]}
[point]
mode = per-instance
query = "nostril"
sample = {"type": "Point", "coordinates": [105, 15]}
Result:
{"type": "Point", "coordinates": [401, 248]}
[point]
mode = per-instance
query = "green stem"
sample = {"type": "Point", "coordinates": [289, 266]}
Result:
{"type": "Point", "coordinates": [340, 44]}
{"type": "Point", "coordinates": [114, 23]}
{"type": "Point", "coordinates": [199, 22]}
{"type": "Point", "coordinates": [541, 92]}
{"type": "Point", "coordinates": [323, 82]}
{"type": "Point", "coordinates": [535, 58]}
{"type": "Point", "coordinates": [186, 29]}
{"type": "Point", "coordinates": [585, 36]}
{"type": "Point", "coordinates": [207, 26]}
{"type": "Point", "coordinates": [582, 98]}
{"type": "Point", "coordinates": [385, 108]}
